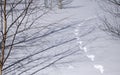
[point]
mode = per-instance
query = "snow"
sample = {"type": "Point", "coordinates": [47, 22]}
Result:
{"type": "Point", "coordinates": [101, 56]}
{"type": "Point", "coordinates": [92, 57]}
{"type": "Point", "coordinates": [100, 68]}
{"type": "Point", "coordinates": [80, 42]}
{"type": "Point", "coordinates": [103, 53]}
{"type": "Point", "coordinates": [70, 67]}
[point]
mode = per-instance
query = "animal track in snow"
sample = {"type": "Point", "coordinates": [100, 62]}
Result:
{"type": "Point", "coordinates": [100, 68]}
{"type": "Point", "coordinates": [84, 49]}
{"type": "Point", "coordinates": [90, 56]}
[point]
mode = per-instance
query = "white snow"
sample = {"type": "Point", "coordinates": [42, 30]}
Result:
{"type": "Point", "coordinates": [80, 42]}
{"type": "Point", "coordinates": [70, 67]}
{"type": "Point", "coordinates": [103, 52]}
{"type": "Point", "coordinates": [100, 68]}
{"type": "Point", "coordinates": [76, 30]}
{"type": "Point", "coordinates": [92, 57]}
{"type": "Point", "coordinates": [84, 49]}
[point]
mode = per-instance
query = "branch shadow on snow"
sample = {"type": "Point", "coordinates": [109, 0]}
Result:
{"type": "Point", "coordinates": [72, 7]}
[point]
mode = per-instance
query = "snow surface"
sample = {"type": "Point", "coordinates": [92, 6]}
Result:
{"type": "Point", "coordinates": [98, 47]}
{"type": "Point", "coordinates": [100, 54]}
